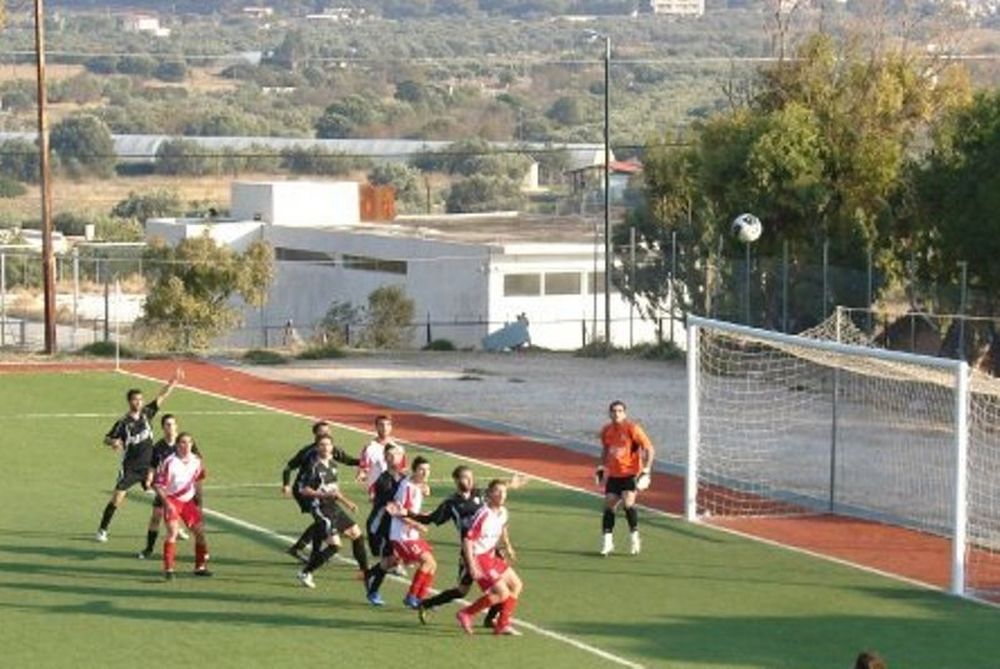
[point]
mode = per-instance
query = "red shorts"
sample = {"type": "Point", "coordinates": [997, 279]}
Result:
{"type": "Point", "coordinates": [492, 568]}
{"type": "Point", "coordinates": [409, 552]}
{"type": "Point", "coordinates": [188, 512]}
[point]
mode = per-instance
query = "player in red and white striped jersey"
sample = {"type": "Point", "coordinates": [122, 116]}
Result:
{"type": "Point", "coordinates": [178, 481]}
{"type": "Point", "coordinates": [372, 456]}
{"type": "Point", "coordinates": [408, 546]}
{"type": "Point", "coordinates": [499, 581]}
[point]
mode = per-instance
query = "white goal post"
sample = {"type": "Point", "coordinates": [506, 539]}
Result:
{"type": "Point", "coordinates": [787, 425]}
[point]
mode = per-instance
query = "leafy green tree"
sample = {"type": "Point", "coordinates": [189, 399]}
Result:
{"type": "Point", "coordinates": [182, 156]}
{"type": "Point", "coordinates": [10, 188]}
{"type": "Point", "coordinates": [153, 204]}
{"type": "Point", "coordinates": [140, 65]}
{"type": "Point", "coordinates": [84, 145]}
{"type": "Point", "coordinates": [174, 71]}
{"type": "Point", "coordinates": [480, 193]}
{"type": "Point", "coordinates": [19, 160]}
{"type": "Point", "coordinates": [390, 316]}
{"type": "Point", "coordinates": [189, 302]}
{"type": "Point", "coordinates": [956, 200]}
{"type": "Point", "coordinates": [405, 179]}
{"type": "Point", "coordinates": [818, 153]}
{"type": "Point", "coordinates": [567, 111]}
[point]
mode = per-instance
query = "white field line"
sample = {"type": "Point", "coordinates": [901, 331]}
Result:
{"type": "Point", "coordinates": [657, 512]}
{"type": "Point", "coordinates": [112, 416]}
{"type": "Point", "coordinates": [621, 661]}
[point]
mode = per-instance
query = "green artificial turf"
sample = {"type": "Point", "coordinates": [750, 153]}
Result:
{"type": "Point", "coordinates": [694, 598]}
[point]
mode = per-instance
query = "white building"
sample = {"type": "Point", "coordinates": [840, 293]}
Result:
{"type": "Point", "coordinates": [468, 275]}
{"type": "Point", "coordinates": [144, 23]}
{"type": "Point", "coordinates": [678, 7]}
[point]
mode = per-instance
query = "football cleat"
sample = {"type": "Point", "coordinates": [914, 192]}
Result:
{"type": "Point", "coordinates": [608, 545]}
{"type": "Point", "coordinates": [636, 542]}
{"type": "Point", "coordinates": [306, 579]}
{"type": "Point", "coordinates": [102, 536]}
{"type": "Point", "coordinates": [411, 602]}
{"type": "Point", "coordinates": [375, 599]}
{"type": "Point", "coordinates": [168, 575]}
{"type": "Point", "coordinates": [144, 554]}
{"type": "Point", "coordinates": [204, 571]}
{"type": "Point", "coordinates": [506, 630]}
{"type": "Point", "coordinates": [465, 620]}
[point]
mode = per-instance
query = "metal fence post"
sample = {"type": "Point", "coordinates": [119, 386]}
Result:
{"type": "Point", "coordinates": [871, 289]}
{"type": "Point", "coordinates": [631, 285]}
{"type": "Point", "coordinates": [784, 285]}
{"type": "Point", "coordinates": [961, 308]}
{"type": "Point", "coordinates": [673, 286]}
{"type": "Point", "coordinates": [429, 337]}
{"type": "Point", "coordinates": [826, 278]}
{"type": "Point", "coordinates": [3, 298]}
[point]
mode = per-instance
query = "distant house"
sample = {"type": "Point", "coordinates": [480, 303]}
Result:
{"type": "Point", "coordinates": [258, 12]}
{"type": "Point", "coordinates": [143, 23]}
{"type": "Point", "coordinates": [339, 14]}
{"type": "Point", "coordinates": [678, 7]}
{"type": "Point", "coordinates": [590, 178]}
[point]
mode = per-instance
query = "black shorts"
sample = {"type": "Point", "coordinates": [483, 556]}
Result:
{"type": "Point", "coordinates": [379, 545]}
{"type": "Point", "coordinates": [157, 502]}
{"type": "Point", "coordinates": [616, 485]}
{"type": "Point", "coordinates": [305, 503]}
{"type": "Point", "coordinates": [129, 477]}
{"type": "Point", "coordinates": [333, 517]}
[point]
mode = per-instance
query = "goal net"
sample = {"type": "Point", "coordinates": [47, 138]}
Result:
{"type": "Point", "coordinates": [800, 425]}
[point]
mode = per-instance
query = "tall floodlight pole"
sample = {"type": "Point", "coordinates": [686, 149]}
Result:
{"type": "Point", "coordinates": [607, 189]}
{"type": "Point", "coordinates": [45, 177]}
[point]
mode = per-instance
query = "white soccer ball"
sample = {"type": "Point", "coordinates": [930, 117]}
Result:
{"type": "Point", "coordinates": [747, 228]}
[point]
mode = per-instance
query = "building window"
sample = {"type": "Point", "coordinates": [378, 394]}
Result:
{"type": "Point", "coordinates": [522, 285]}
{"type": "Point", "coordinates": [369, 264]}
{"type": "Point", "coordinates": [590, 283]}
{"type": "Point", "coordinates": [302, 255]}
{"type": "Point", "coordinates": [562, 283]}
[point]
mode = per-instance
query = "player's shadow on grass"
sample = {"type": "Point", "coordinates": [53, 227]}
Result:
{"type": "Point", "coordinates": [328, 620]}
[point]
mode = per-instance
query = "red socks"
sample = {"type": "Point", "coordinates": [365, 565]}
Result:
{"type": "Point", "coordinates": [479, 605]}
{"type": "Point", "coordinates": [421, 584]}
{"type": "Point", "coordinates": [506, 612]}
{"type": "Point", "coordinates": [169, 553]}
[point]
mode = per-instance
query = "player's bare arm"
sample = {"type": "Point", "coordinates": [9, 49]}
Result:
{"type": "Point", "coordinates": [507, 546]}
{"type": "Point", "coordinates": [339, 496]}
{"type": "Point", "coordinates": [165, 391]}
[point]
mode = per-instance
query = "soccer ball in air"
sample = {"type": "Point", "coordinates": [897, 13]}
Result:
{"type": "Point", "coordinates": [747, 228]}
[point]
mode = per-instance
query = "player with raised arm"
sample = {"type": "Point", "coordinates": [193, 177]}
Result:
{"type": "Point", "coordinates": [177, 483]}
{"type": "Point", "coordinates": [500, 583]}
{"type": "Point", "coordinates": [382, 491]}
{"type": "Point", "coordinates": [626, 461]}
{"type": "Point", "coordinates": [162, 449]}
{"type": "Point", "coordinates": [318, 483]}
{"type": "Point", "coordinates": [460, 508]}
{"type": "Point", "coordinates": [408, 546]}
{"type": "Point", "coordinates": [132, 436]}
{"type": "Point", "coordinates": [295, 464]}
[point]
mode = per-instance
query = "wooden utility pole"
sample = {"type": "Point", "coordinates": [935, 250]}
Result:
{"type": "Point", "coordinates": [45, 176]}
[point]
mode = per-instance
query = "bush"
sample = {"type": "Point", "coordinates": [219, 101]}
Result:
{"type": "Point", "coordinates": [171, 70]}
{"type": "Point", "coordinates": [440, 345]}
{"type": "Point", "coordinates": [106, 349]}
{"type": "Point", "coordinates": [596, 349]}
{"type": "Point", "coordinates": [321, 352]}
{"type": "Point", "coordinates": [390, 314]}
{"type": "Point", "coordinates": [155, 203]}
{"type": "Point", "coordinates": [70, 223]}
{"type": "Point", "coordinates": [664, 350]}
{"type": "Point", "coordinates": [19, 160]}
{"type": "Point", "coordinates": [485, 193]}
{"type": "Point", "coordinates": [261, 356]}
{"type": "Point", "coordinates": [10, 188]}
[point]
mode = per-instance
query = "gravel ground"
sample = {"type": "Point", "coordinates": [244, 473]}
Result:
{"type": "Point", "coordinates": [557, 396]}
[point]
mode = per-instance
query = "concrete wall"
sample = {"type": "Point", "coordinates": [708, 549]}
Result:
{"type": "Point", "coordinates": [445, 280]}
{"type": "Point", "coordinates": [297, 203]}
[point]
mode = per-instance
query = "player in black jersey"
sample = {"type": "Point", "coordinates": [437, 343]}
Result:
{"type": "Point", "coordinates": [460, 509]}
{"type": "Point", "coordinates": [382, 491]}
{"type": "Point", "coordinates": [132, 436]}
{"type": "Point", "coordinates": [163, 449]}
{"type": "Point", "coordinates": [296, 464]}
{"type": "Point", "coordinates": [318, 483]}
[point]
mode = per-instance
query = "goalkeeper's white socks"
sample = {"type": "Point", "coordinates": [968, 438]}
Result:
{"type": "Point", "coordinates": [636, 546]}
{"type": "Point", "coordinates": [609, 544]}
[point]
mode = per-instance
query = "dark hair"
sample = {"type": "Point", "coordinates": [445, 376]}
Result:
{"type": "Point", "coordinates": [496, 483]}
{"type": "Point", "coordinates": [324, 438]}
{"type": "Point", "coordinates": [457, 472]}
{"type": "Point", "coordinates": [132, 393]}
{"type": "Point", "coordinates": [318, 424]}
{"type": "Point", "coordinates": [419, 460]}
{"type": "Point", "coordinates": [165, 418]}
{"type": "Point", "coordinates": [186, 434]}
{"type": "Point", "coordinates": [616, 403]}
{"type": "Point", "coordinates": [391, 446]}
{"type": "Point", "coordinates": [869, 660]}
{"type": "Point", "coordinates": [383, 416]}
